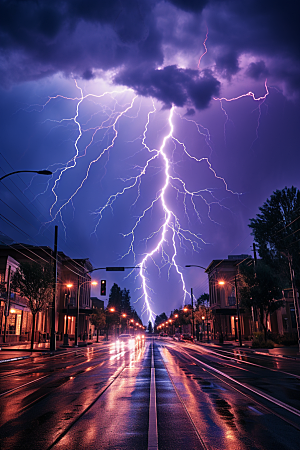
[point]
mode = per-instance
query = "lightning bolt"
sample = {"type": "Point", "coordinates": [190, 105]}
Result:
{"type": "Point", "coordinates": [163, 243]}
{"type": "Point", "coordinates": [261, 100]}
{"type": "Point", "coordinates": [205, 48]}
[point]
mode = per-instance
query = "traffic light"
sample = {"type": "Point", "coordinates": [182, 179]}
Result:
{"type": "Point", "coordinates": [103, 287]}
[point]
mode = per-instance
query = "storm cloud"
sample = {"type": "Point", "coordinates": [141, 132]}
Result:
{"type": "Point", "coordinates": [143, 42]}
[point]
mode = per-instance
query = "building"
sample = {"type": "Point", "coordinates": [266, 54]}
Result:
{"type": "Point", "coordinates": [223, 301]}
{"type": "Point", "coordinates": [283, 321]}
{"type": "Point", "coordinates": [72, 279]}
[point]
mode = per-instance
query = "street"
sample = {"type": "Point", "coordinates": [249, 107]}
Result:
{"type": "Point", "coordinates": [161, 394]}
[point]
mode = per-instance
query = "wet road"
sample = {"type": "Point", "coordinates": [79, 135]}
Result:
{"type": "Point", "coordinates": [164, 394]}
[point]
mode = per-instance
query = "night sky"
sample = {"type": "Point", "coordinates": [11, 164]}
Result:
{"type": "Point", "coordinates": [139, 109]}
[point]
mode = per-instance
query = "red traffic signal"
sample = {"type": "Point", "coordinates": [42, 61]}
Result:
{"type": "Point", "coordinates": [103, 287]}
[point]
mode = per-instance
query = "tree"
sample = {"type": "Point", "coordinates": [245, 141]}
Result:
{"type": "Point", "coordinates": [150, 328]}
{"type": "Point", "coordinates": [35, 282]}
{"type": "Point", "coordinates": [111, 317]}
{"type": "Point", "coordinates": [98, 319]}
{"type": "Point", "coordinates": [260, 289]}
{"type": "Point", "coordinates": [276, 229]}
{"type": "Point", "coordinates": [115, 298]}
{"type": "Point", "coordinates": [203, 300]}
{"type": "Point", "coordinates": [160, 319]}
{"type": "Point", "coordinates": [125, 305]}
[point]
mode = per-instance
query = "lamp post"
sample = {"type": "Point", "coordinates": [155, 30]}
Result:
{"type": "Point", "coordinates": [40, 172]}
{"type": "Point", "coordinates": [192, 297]}
{"type": "Point", "coordinates": [66, 334]}
{"type": "Point", "coordinates": [53, 335]}
{"type": "Point", "coordinates": [222, 283]}
{"type": "Point", "coordinates": [94, 283]}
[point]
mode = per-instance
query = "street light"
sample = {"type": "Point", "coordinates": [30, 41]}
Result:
{"type": "Point", "coordinates": [222, 283]}
{"type": "Point", "coordinates": [40, 172]}
{"type": "Point", "coordinates": [66, 334]}
{"type": "Point", "coordinates": [192, 298]}
{"type": "Point", "coordinates": [94, 283]}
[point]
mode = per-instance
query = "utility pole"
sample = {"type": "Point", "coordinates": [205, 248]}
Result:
{"type": "Point", "coordinates": [7, 305]}
{"type": "Point", "coordinates": [253, 308]}
{"type": "Point", "coordinates": [238, 311]}
{"type": "Point", "coordinates": [254, 254]}
{"type": "Point", "coordinates": [77, 312]}
{"type": "Point", "coordinates": [193, 324]}
{"type": "Point", "coordinates": [296, 305]}
{"type": "Point", "coordinates": [53, 332]}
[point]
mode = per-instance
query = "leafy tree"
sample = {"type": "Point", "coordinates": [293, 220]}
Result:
{"type": "Point", "coordinates": [35, 282]}
{"type": "Point", "coordinates": [203, 300]}
{"type": "Point", "coordinates": [150, 328]}
{"type": "Point", "coordinates": [185, 317]}
{"type": "Point", "coordinates": [260, 289]}
{"type": "Point", "coordinates": [112, 317]}
{"type": "Point", "coordinates": [125, 305]}
{"type": "Point", "coordinates": [276, 229]}
{"type": "Point", "coordinates": [115, 298]}
{"type": "Point", "coordinates": [160, 319]}
{"type": "Point", "coordinates": [98, 319]}
{"type": "Point", "coordinates": [135, 316]}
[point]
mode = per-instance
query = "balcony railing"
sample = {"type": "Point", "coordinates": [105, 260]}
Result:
{"type": "Point", "coordinates": [231, 301]}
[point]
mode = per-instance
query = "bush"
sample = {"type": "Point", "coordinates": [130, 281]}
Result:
{"type": "Point", "coordinates": [276, 338]}
{"type": "Point", "coordinates": [268, 344]}
{"type": "Point", "coordinates": [259, 341]}
{"type": "Point", "coordinates": [289, 339]}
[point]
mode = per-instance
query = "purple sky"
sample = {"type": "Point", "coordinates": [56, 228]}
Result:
{"type": "Point", "coordinates": [94, 87]}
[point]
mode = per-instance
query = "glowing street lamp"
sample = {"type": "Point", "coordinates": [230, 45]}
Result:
{"type": "Point", "coordinates": [192, 296]}
{"type": "Point", "coordinates": [222, 283]}
{"type": "Point", "coordinates": [67, 295]}
{"type": "Point", "coordinates": [94, 283]}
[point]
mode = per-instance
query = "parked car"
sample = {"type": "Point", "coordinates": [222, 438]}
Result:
{"type": "Point", "coordinates": [186, 337]}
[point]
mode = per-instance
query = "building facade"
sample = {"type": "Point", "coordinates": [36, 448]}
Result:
{"type": "Point", "coordinates": [223, 294]}
{"type": "Point", "coordinates": [224, 300]}
{"type": "Point", "coordinates": [72, 278]}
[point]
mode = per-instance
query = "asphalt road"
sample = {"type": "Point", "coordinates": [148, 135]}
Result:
{"type": "Point", "coordinates": [161, 395]}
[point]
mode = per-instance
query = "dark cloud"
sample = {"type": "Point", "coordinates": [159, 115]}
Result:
{"type": "Point", "coordinates": [190, 5]}
{"type": "Point", "coordinates": [257, 70]}
{"type": "Point", "coordinates": [88, 75]}
{"type": "Point", "coordinates": [227, 65]}
{"type": "Point", "coordinates": [172, 85]}
{"type": "Point", "coordinates": [84, 37]}
{"type": "Point", "coordinates": [190, 112]}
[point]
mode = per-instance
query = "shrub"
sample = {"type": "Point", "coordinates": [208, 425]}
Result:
{"type": "Point", "coordinates": [259, 341]}
{"type": "Point", "coordinates": [289, 339]}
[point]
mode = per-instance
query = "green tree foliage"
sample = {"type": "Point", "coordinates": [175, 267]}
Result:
{"type": "Point", "coordinates": [261, 289]}
{"type": "Point", "coordinates": [115, 298]}
{"type": "Point", "coordinates": [160, 319]}
{"type": "Point", "coordinates": [276, 229]}
{"type": "Point", "coordinates": [98, 319]}
{"type": "Point", "coordinates": [150, 328]}
{"type": "Point", "coordinates": [126, 308]}
{"type": "Point", "coordinates": [119, 300]}
{"type": "Point", "coordinates": [203, 300]}
{"type": "Point", "coordinates": [35, 282]}
{"type": "Point", "coordinates": [135, 316]}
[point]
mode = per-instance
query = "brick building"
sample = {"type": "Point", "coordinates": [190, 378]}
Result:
{"type": "Point", "coordinates": [16, 318]}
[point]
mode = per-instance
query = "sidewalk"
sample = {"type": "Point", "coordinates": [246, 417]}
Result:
{"type": "Point", "coordinates": [284, 352]}
{"type": "Point", "coordinates": [21, 350]}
